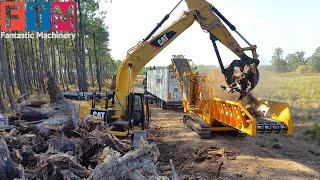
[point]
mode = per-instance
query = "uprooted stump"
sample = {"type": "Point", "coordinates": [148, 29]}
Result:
{"type": "Point", "coordinates": [61, 115]}
{"type": "Point", "coordinates": [30, 110]}
{"type": "Point", "coordinates": [62, 166]}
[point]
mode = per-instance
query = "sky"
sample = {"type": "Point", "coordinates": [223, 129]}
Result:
{"type": "Point", "coordinates": [292, 25]}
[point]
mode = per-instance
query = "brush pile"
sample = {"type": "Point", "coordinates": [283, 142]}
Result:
{"type": "Point", "coordinates": [50, 141]}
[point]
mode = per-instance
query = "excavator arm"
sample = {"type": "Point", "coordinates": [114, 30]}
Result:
{"type": "Point", "coordinates": [140, 55]}
{"type": "Point", "coordinates": [209, 19]}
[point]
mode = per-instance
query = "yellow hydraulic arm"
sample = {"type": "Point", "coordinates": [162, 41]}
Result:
{"type": "Point", "coordinates": [209, 19]}
{"type": "Point", "coordinates": [140, 55]}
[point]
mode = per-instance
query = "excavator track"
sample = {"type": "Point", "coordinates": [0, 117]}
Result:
{"type": "Point", "coordinates": [203, 129]}
{"type": "Point", "coordinates": [198, 125]}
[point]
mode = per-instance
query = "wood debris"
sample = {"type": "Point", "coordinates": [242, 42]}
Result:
{"type": "Point", "coordinates": [49, 141]}
{"type": "Point", "coordinates": [212, 153]}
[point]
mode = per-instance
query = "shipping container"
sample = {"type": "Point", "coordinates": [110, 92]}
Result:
{"type": "Point", "coordinates": [163, 85]}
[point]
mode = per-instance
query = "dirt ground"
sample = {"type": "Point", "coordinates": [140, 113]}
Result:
{"type": "Point", "coordinates": [267, 156]}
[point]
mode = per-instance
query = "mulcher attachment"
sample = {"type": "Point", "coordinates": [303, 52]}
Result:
{"type": "Point", "coordinates": [198, 125]}
{"type": "Point", "coordinates": [271, 126]}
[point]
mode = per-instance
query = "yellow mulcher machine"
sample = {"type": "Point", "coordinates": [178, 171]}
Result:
{"type": "Point", "coordinates": [207, 113]}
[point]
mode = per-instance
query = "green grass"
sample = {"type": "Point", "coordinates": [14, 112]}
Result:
{"type": "Point", "coordinates": [314, 132]}
{"type": "Point", "coordinates": [300, 91]}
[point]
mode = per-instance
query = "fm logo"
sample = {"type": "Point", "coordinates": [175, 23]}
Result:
{"type": "Point", "coordinates": [38, 16]}
{"type": "Point", "coordinates": [163, 39]}
{"type": "Point", "coordinates": [99, 114]}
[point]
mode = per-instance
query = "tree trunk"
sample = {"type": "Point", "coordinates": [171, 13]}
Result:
{"type": "Point", "coordinates": [2, 89]}
{"type": "Point", "coordinates": [78, 66]}
{"type": "Point", "coordinates": [2, 106]}
{"type": "Point", "coordinates": [70, 75]}
{"type": "Point", "coordinates": [18, 66]}
{"type": "Point", "coordinates": [3, 56]}
{"type": "Point", "coordinates": [91, 69]}
{"type": "Point", "coordinates": [33, 65]}
{"type": "Point", "coordinates": [44, 54]}
{"type": "Point", "coordinates": [60, 66]}
{"type": "Point", "coordinates": [42, 72]}
{"type": "Point", "coordinates": [82, 55]}
{"type": "Point", "coordinates": [8, 169]}
{"type": "Point", "coordinates": [41, 69]}
{"type": "Point", "coordinates": [10, 68]}
{"type": "Point", "coordinates": [98, 65]}
{"type": "Point", "coordinates": [65, 64]}
{"type": "Point", "coordinates": [53, 59]}
{"type": "Point", "coordinates": [24, 69]}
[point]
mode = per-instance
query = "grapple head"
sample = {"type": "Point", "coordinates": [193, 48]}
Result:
{"type": "Point", "coordinates": [244, 79]}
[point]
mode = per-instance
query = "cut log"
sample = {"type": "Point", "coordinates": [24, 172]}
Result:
{"type": "Point", "coordinates": [35, 103]}
{"type": "Point", "coordinates": [62, 166]}
{"type": "Point", "coordinates": [93, 146]}
{"type": "Point", "coordinates": [63, 145]}
{"type": "Point", "coordinates": [126, 167]}
{"type": "Point", "coordinates": [213, 153]}
{"type": "Point", "coordinates": [55, 124]}
{"type": "Point", "coordinates": [34, 114]}
{"type": "Point", "coordinates": [8, 170]}
{"type": "Point", "coordinates": [31, 110]}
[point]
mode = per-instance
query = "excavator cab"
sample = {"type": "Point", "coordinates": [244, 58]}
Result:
{"type": "Point", "coordinates": [135, 116]}
{"type": "Point", "coordinates": [137, 110]}
{"type": "Point", "coordinates": [135, 119]}
{"type": "Point", "coordinates": [124, 121]}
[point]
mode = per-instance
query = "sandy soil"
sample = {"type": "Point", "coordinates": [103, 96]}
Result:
{"type": "Point", "coordinates": [267, 156]}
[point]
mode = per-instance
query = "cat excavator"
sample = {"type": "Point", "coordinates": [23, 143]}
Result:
{"type": "Point", "coordinates": [206, 114]}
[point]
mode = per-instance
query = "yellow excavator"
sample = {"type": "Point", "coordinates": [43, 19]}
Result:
{"type": "Point", "coordinates": [130, 112]}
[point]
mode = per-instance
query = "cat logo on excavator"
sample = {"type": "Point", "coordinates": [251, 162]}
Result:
{"type": "Point", "coordinates": [99, 113]}
{"type": "Point", "coordinates": [163, 39]}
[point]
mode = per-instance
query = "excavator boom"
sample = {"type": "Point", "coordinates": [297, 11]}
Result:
{"type": "Point", "coordinates": [203, 12]}
{"type": "Point", "coordinates": [140, 55]}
